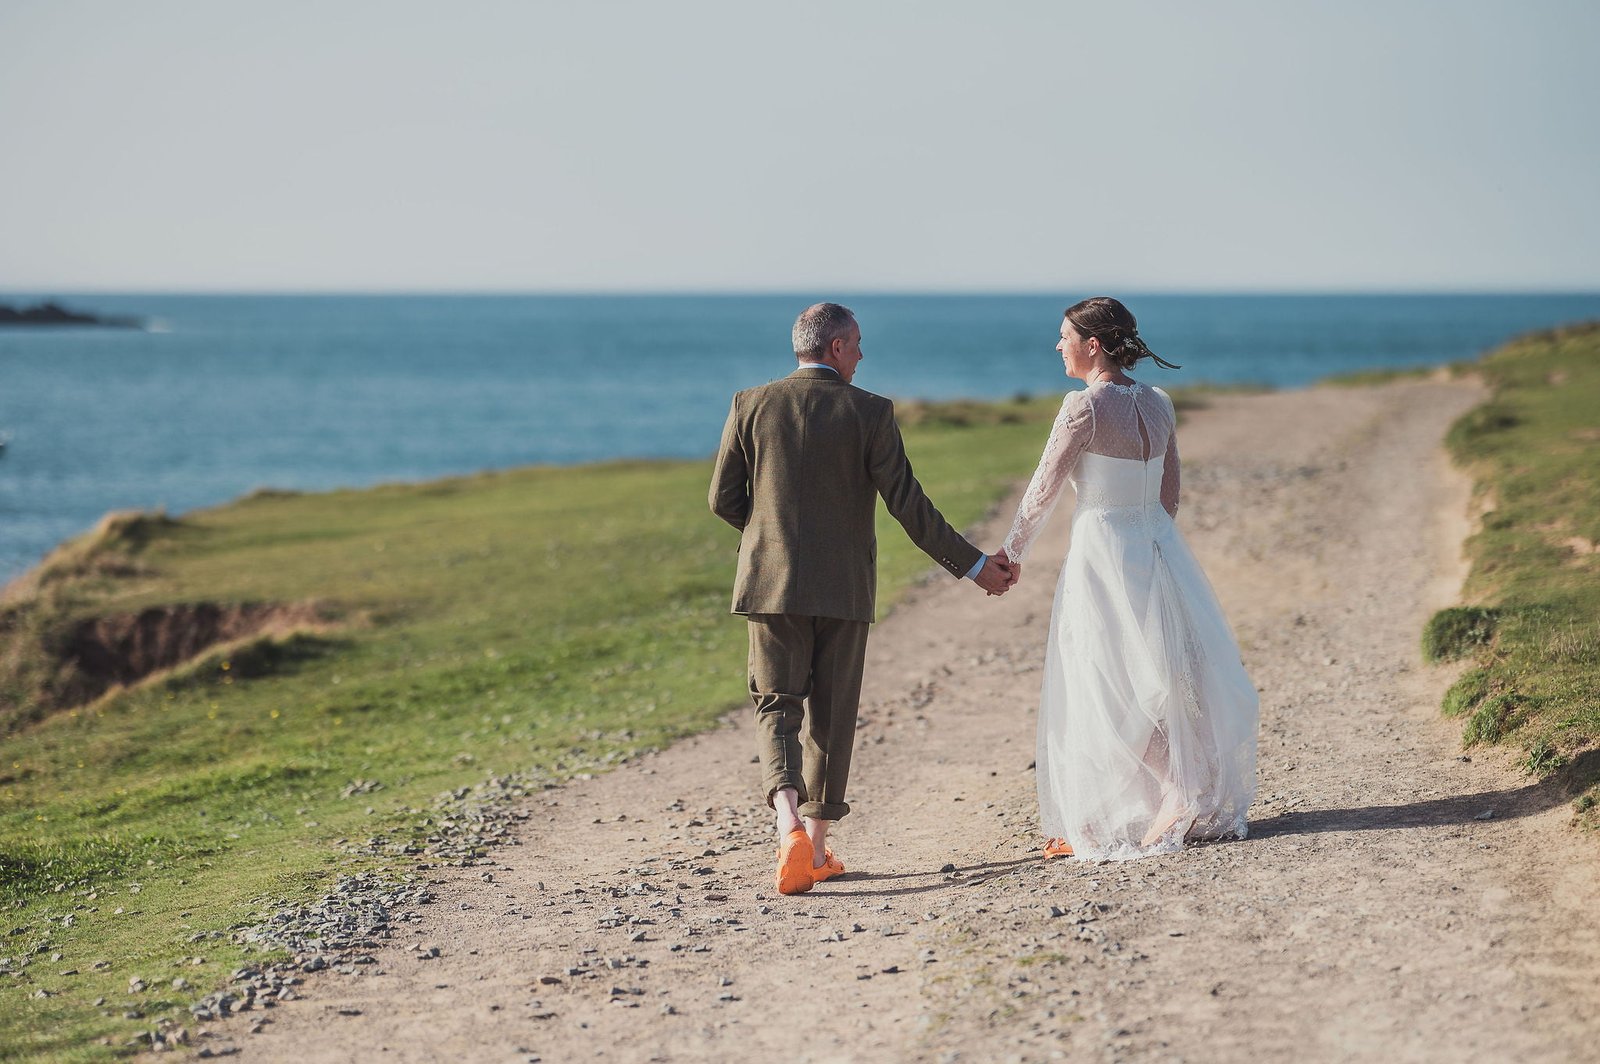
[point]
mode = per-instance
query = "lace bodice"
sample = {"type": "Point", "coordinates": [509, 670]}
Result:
{"type": "Point", "coordinates": [1134, 421]}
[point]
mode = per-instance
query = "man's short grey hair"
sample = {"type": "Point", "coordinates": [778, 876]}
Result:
{"type": "Point", "coordinates": [818, 327]}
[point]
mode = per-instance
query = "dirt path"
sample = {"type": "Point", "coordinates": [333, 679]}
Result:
{"type": "Point", "coordinates": [1377, 910]}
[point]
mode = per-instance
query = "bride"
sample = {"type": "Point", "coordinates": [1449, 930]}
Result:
{"type": "Point", "coordinates": [1147, 719]}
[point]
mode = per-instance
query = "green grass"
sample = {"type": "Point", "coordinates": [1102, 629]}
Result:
{"type": "Point", "coordinates": [1366, 378]}
{"type": "Point", "coordinates": [550, 620]}
{"type": "Point", "coordinates": [1533, 633]}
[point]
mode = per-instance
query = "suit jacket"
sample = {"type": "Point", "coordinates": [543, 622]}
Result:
{"type": "Point", "coordinates": [800, 467]}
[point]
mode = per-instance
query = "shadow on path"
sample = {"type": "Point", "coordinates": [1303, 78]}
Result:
{"type": "Point", "coordinates": [867, 884]}
{"type": "Point", "coordinates": [1507, 804]}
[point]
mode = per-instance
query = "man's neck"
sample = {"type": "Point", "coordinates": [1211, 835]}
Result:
{"type": "Point", "coordinates": [817, 365]}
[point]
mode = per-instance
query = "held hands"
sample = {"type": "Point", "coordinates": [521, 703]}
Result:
{"type": "Point", "coordinates": [998, 573]}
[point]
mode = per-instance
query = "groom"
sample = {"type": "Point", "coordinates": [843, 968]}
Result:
{"type": "Point", "coordinates": [800, 467]}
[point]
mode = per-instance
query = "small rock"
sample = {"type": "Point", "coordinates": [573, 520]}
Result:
{"type": "Point", "coordinates": [1487, 814]}
{"type": "Point", "coordinates": [947, 868]}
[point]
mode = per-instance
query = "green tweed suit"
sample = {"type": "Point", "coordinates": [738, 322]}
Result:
{"type": "Point", "coordinates": [801, 465]}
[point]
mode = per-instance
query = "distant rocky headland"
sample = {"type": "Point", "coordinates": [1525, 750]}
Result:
{"type": "Point", "coordinates": [51, 313]}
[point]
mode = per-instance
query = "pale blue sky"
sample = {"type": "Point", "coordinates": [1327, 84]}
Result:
{"type": "Point", "coordinates": [839, 146]}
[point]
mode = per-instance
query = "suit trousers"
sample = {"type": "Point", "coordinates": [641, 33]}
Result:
{"type": "Point", "coordinates": [805, 681]}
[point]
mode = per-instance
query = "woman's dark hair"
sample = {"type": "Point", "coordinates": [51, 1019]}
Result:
{"type": "Point", "coordinates": [1108, 321]}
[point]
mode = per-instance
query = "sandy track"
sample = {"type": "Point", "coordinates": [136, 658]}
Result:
{"type": "Point", "coordinates": [1371, 914]}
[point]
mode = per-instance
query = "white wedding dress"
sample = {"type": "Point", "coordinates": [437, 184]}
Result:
{"type": "Point", "coordinates": [1147, 719]}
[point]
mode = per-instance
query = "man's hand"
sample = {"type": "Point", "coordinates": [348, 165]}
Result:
{"type": "Point", "coordinates": [1014, 568]}
{"type": "Point", "coordinates": [995, 577]}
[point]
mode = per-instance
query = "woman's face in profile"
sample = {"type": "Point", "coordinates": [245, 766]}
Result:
{"type": "Point", "coordinates": [1074, 352]}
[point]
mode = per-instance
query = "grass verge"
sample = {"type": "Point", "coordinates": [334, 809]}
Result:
{"type": "Point", "coordinates": [556, 620]}
{"type": "Point", "coordinates": [1532, 634]}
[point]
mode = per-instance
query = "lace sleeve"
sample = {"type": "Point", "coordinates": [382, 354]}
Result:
{"type": "Point", "coordinates": [1169, 477]}
{"type": "Point", "coordinates": [1071, 433]}
{"type": "Point", "coordinates": [1170, 471]}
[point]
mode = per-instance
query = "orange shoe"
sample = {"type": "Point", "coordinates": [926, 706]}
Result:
{"type": "Point", "coordinates": [830, 867]}
{"type": "Point", "coordinates": [794, 863]}
{"type": "Point", "coordinates": [1057, 848]}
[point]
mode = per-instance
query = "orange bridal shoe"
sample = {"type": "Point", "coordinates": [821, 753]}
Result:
{"type": "Point", "coordinates": [794, 864]}
{"type": "Point", "coordinates": [1057, 848]}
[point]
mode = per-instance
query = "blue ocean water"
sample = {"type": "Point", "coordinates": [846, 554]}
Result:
{"type": "Point", "coordinates": [232, 393]}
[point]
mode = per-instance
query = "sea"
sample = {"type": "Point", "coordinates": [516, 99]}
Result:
{"type": "Point", "coordinates": [223, 394]}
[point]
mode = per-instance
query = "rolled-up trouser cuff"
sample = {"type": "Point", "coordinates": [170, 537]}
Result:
{"type": "Point", "coordinates": [776, 783]}
{"type": "Point", "coordinates": [824, 810]}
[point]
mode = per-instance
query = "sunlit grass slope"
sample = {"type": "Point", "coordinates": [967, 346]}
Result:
{"type": "Point", "coordinates": [1533, 631]}
{"type": "Point", "coordinates": [557, 619]}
